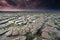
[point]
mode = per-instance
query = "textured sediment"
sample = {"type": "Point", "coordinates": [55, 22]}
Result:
{"type": "Point", "coordinates": [30, 27]}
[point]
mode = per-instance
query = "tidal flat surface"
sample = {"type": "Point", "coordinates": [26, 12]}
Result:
{"type": "Point", "coordinates": [30, 26]}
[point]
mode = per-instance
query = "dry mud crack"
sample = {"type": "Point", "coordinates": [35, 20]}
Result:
{"type": "Point", "coordinates": [30, 27]}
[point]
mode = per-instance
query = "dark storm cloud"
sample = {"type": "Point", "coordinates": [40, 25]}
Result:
{"type": "Point", "coordinates": [32, 4]}
{"type": "Point", "coordinates": [54, 4]}
{"type": "Point", "coordinates": [28, 3]}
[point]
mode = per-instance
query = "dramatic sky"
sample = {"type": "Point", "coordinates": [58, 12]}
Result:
{"type": "Point", "coordinates": [29, 4]}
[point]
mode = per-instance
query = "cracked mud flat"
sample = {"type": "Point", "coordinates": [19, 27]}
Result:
{"type": "Point", "coordinates": [26, 26]}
